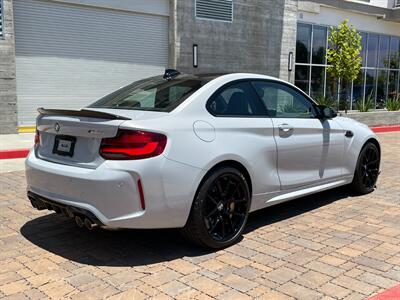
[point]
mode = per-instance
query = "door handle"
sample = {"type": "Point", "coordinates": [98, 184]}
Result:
{"type": "Point", "coordinates": [285, 128]}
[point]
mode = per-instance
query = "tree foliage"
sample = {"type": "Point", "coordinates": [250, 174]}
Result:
{"type": "Point", "coordinates": [344, 51]}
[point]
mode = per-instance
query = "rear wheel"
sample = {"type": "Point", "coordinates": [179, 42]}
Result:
{"type": "Point", "coordinates": [220, 209]}
{"type": "Point", "coordinates": [367, 169]}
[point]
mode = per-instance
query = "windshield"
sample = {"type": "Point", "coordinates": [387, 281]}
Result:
{"type": "Point", "coordinates": [155, 94]}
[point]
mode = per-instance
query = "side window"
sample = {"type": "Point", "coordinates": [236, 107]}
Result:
{"type": "Point", "coordinates": [237, 99]}
{"type": "Point", "coordinates": [282, 101]}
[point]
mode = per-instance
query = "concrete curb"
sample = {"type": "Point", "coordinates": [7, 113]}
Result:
{"type": "Point", "coordinates": [22, 153]}
{"type": "Point", "coordinates": [386, 128]}
{"type": "Point", "coordinates": [390, 294]}
{"type": "Point", "coordinates": [15, 153]}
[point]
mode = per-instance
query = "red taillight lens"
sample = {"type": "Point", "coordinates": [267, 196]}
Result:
{"type": "Point", "coordinates": [133, 144]}
{"type": "Point", "coordinates": [37, 139]}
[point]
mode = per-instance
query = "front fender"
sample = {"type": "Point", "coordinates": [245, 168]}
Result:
{"type": "Point", "coordinates": [352, 146]}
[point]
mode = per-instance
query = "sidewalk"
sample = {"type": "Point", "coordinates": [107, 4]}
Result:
{"type": "Point", "coordinates": [16, 141]}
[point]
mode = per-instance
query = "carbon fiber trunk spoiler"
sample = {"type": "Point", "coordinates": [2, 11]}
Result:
{"type": "Point", "coordinates": [80, 113]}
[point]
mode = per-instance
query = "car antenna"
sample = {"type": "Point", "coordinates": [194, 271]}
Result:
{"type": "Point", "coordinates": [170, 74]}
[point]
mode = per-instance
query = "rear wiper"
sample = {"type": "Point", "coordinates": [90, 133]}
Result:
{"type": "Point", "coordinates": [80, 113]}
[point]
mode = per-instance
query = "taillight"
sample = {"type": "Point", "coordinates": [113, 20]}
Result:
{"type": "Point", "coordinates": [37, 139]}
{"type": "Point", "coordinates": [133, 144]}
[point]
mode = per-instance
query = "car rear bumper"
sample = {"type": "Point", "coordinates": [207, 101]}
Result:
{"type": "Point", "coordinates": [110, 192]}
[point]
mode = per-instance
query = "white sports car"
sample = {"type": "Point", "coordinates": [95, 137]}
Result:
{"type": "Point", "coordinates": [197, 152]}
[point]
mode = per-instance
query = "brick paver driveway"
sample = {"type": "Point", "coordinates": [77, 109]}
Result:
{"type": "Point", "coordinates": [330, 245]}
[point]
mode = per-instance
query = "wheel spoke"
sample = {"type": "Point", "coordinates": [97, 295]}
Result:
{"type": "Point", "coordinates": [372, 162]}
{"type": "Point", "coordinates": [365, 179]}
{"type": "Point", "coordinates": [213, 212]}
{"type": "Point", "coordinates": [219, 187]}
{"type": "Point", "coordinates": [211, 230]}
{"type": "Point", "coordinates": [223, 228]}
{"type": "Point", "coordinates": [235, 191]}
{"type": "Point", "coordinates": [370, 155]}
{"type": "Point", "coordinates": [228, 184]}
{"type": "Point", "coordinates": [212, 199]}
{"type": "Point", "coordinates": [231, 225]}
{"type": "Point", "coordinates": [240, 200]}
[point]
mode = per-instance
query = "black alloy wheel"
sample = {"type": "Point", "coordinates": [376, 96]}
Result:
{"type": "Point", "coordinates": [370, 167]}
{"type": "Point", "coordinates": [226, 207]}
{"type": "Point", "coordinates": [220, 209]}
{"type": "Point", "coordinates": [367, 170]}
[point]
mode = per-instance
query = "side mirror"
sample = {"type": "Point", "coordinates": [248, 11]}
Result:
{"type": "Point", "coordinates": [325, 112]}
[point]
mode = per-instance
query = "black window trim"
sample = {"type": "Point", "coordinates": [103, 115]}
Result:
{"type": "Point", "coordinates": [266, 114]}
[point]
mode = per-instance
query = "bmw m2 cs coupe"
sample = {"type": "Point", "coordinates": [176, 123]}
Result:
{"type": "Point", "coordinates": [196, 152]}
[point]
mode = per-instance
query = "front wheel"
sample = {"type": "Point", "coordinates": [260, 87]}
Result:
{"type": "Point", "coordinates": [220, 209]}
{"type": "Point", "coordinates": [367, 169]}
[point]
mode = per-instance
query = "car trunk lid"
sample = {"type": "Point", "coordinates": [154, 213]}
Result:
{"type": "Point", "coordinates": [73, 137]}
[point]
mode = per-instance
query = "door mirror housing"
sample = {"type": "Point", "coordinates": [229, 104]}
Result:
{"type": "Point", "coordinates": [325, 112]}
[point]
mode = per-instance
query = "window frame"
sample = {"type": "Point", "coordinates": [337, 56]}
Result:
{"type": "Point", "coordinates": [293, 88]}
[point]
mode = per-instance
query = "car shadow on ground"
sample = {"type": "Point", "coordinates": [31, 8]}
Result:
{"type": "Point", "coordinates": [60, 235]}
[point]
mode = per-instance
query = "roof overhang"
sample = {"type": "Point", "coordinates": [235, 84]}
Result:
{"type": "Point", "coordinates": [388, 14]}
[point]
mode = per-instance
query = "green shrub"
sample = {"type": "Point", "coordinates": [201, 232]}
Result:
{"type": "Point", "coordinates": [326, 101]}
{"type": "Point", "coordinates": [365, 105]}
{"type": "Point", "coordinates": [393, 104]}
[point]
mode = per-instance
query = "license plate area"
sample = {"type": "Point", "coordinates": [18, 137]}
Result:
{"type": "Point", "coordinates": [64, 145]}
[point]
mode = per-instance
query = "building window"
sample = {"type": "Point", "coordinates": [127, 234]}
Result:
{"type": "Point", "coordinates": [303, 43]}
{"type": "Point", "coordinates": [1, 19]}
{"type": "Point", "coordinates": [379, 76]}
{"type": "Point", "coordinates": [219, 10]}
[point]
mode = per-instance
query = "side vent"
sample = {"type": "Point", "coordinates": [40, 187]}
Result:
{"type": "Point", "coordinates": [220, 10]}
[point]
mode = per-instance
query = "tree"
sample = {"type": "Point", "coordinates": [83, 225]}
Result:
{"type": "Point", "coordinates": [344, 53]}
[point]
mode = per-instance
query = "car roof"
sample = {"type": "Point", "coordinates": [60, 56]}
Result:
{"type": "Point", "coordinates": [206, 77]}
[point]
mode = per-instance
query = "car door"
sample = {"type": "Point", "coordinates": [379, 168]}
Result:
{"type": "Point", "coordinates": [310, 150]}
{"type": "Point", "coordinates": [244, 133]}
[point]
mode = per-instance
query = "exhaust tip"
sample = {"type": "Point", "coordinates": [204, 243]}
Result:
{"type": "Point", "coordinates": [89, 224]}
{"type": "Point", "coordinates": [79, 221]}
{"type": "Point", "coordinates": [69, 212]}
{"type": "Point", "coordinates": [33, 203]}
{"type": "Point", "coordinates": [57, 209]}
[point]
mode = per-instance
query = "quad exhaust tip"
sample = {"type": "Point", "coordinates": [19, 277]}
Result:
{"type": "Point", "coordinates": [79, 221]}
{"type": "Point", "coordinates": [86, 222]}
{"type": "Point", "coordinates": [89, 224]}
{"type": "Point", "coordinates": [82, 218]}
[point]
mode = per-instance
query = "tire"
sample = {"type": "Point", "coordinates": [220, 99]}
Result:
{"type": "Point", "coordinates": [367, 170]}
{"type": "Point", "coordinates": [220, 209]}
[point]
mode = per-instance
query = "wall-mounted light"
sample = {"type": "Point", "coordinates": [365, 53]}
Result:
{"type": "Point", "coordinates": [195, 60]}
{"type": "Point", "coordinates": [290, 62]}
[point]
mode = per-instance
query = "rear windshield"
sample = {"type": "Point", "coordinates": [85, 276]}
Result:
{"type": "Point", "coordinates": [155, 94]}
